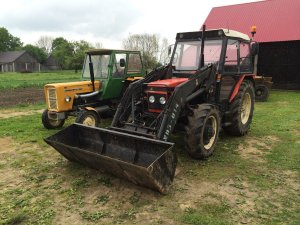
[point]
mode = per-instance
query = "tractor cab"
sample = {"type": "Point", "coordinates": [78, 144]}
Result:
{"type": "Point", "coordinates": [229, 50]}
{"type": "Point", "coordinates": [111, 68]}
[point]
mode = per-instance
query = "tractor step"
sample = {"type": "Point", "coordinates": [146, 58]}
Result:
{"type": "Point", "coordinates": [143, 161]}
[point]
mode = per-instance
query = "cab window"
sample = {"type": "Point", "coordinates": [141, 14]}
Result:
{"type": "Point", "coordinates": [134, 63]}
{"type": "Point", "coordinates": [231, 58]}
{"type": "Point", "coordinates": [100, 65]}
{"type": "Point", "coordinates": [118, 70]}
{"type": "Point", "coordinates": [245, 58]}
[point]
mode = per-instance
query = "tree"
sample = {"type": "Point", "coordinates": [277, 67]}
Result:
{"type": "Point", "coordinates": [36, 52]}
{"type": "Point", "coordinates": [163, 53]}
{"type": "Point", "coordinates": [62, 51]}
{"type": "Point", "coordinates": [79, 50]}
{"type": "Point", "coordinates": [98, 45]}
{"type": "Point", "coordinates": [45, 43]}
{"type": "Point", "coordinates": [8, 42]}
{"type": "Point", "coordinates": [148, 44]}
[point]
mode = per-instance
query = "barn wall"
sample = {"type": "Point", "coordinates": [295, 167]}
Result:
{"type": "Point", "coordinates": [32, 63]}
{"type": "Point", "coordinates": [7, 67]}
{"type": "Point", "coordinates": [280, 60]}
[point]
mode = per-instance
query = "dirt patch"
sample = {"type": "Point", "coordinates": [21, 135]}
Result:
{"type": "Point", "coordinates": [18, 96]}
{"type": "Point", "coordinates": [5, 144]}
{"type": "Point", "coordinates": [291, 178]}
{"type": "Point", "coordinates": [4, 114]}
{"type": "Point", "coordinates": [8, 177]}
{"type": "Point", "coordinates": [255, 148]}
{"type": "Point", "coordinates": [297, 132]}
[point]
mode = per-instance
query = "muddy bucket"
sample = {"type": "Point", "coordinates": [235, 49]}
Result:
{"type": "Point", "coordinates": [143, 161]}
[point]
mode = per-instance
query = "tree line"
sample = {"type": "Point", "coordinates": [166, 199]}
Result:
{"type": "Point", "coordinates": [70, 54]}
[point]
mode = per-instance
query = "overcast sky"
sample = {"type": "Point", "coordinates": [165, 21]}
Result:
{"type": "Point", "coordinates": [105, 21]}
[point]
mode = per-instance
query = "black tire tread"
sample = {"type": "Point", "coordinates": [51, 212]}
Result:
{"type": "Point", "coordinates": [84, 113]}
{"type": "Point", "coordinates": [193, 131]}
{"type": "Point", "coordinates": [265, 94]}
{"type": "Point", "coordinates": [236, 128]}
{"type": "Point", "coordinates": [46, 121]}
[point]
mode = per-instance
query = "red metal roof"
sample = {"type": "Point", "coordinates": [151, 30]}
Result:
{"type": "Point", "coordinates": [276, 20]}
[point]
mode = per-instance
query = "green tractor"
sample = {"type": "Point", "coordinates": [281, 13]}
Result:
{"type": "Point", "coordinates": [106, 74]}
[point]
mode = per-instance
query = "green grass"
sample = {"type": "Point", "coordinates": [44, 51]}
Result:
{"type": "Point", "coordinates": [24, 80]}
{"type": "Point", "coordinates": [227, 188]}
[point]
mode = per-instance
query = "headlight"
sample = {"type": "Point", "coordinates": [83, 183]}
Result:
{"type": "Point", "coordinates": [68, 99]}
{"type": "Point", "coordinates": [162, 100]}
{"type": "Point", "coordinates": [151, 99]}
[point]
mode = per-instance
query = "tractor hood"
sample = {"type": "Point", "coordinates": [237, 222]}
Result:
{"type": "Point", "coordinates": [57, 93]}
{"type": "Point", "coordinates": [171, 83]}
{"type": "Point", "coordinates": [79, 85]}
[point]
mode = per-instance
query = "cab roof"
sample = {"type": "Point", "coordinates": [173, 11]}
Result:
{"type": "Point", "coordinates": [216, 33]}
{"type": "Point", "coordinates": [108, 51]}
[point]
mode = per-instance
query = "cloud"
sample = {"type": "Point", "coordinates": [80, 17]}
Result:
{"type": "Point", "coordinates": [92, 17]}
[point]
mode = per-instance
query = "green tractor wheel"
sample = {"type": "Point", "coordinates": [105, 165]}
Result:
{"type": "Point", "coordinates": [49, 123]}
{"type": "Point", "coordinates": [88, 118]}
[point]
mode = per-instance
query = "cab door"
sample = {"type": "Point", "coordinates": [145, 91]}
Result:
{"type": "Point", "coordinates": [116, 79]}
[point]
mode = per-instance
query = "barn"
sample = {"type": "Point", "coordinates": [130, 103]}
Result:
{"type": "Point", "coordinates": [51, 64]}
{"type": "Point", "coordinates": [278, 33]}
{"type": "Point", "coordinates": [18, 61]}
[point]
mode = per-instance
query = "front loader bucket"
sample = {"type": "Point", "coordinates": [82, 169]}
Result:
{"type": "Point", "coordinates": [144, 161]}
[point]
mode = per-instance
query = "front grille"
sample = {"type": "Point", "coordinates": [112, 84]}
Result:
{"type": "Point", "coordinates": [52, 101]}
{"type": "Point", "coordinates": [156, 106]}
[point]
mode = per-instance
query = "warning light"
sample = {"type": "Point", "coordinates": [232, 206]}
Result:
{"type": "Point", "coordinates": [253, 30]}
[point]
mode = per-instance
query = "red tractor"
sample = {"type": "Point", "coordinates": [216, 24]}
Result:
{"type": "Point", "coordinates": [208, 85]}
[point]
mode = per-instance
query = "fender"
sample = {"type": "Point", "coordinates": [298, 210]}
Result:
{"type": "Point", "coordinates": [90, 109]}
{"type": "Point", "coordinates": [237, 86]}
{"type": "Point", "coordinates": [132, 79]}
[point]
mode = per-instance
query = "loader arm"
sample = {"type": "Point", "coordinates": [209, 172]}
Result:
{"type": "Point", "coordinates": [166, 120]}
{"type": "Point", "coordinates": [134, 90]}
{"type": "Point", "coordinates": [184, 92]}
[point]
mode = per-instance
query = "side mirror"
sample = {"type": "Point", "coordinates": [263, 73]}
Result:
{"type": "Point", "coordinates": [254, 48]}
{"type": "Point", "coordinates": [122, 63]}
{"type": "Point", "coordinates": [169, 50]}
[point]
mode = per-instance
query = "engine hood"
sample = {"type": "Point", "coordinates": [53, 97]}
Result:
{"type": "Point", "coordinates": [173, 82]}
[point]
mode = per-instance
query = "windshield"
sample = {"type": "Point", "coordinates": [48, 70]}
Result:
{"type": "Point", "coordinates": [100, 64]}
{"type": "Point", "coordinates": [187, 54]}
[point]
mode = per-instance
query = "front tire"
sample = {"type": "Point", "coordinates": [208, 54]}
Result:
{"type": "Point", "coordinates": [88, 118]}
{"type": "Point", "coordinates": [241, 110]}
{"type": "Point", "coordinates": [49, 123]}
{"type": "Point", "coordinates": [202, 131]}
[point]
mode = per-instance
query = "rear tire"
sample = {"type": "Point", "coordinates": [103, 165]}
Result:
{"type": "Point", "coordinates": [261, 93]}
{"type": "Point", "coordinates": [88, 118]}
{"type": "Point", "coordinates": [241, 110]}
{"type": "Point", "coordinates": [202, 131]}
{"type": "Point", "coordinates": [49, 123]}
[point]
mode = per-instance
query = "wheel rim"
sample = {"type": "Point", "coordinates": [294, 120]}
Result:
{"type": "Point", "coordinates": [246, 108]}
{"type": "Point", "coordinates": [210, 132]}
{"type": "Point", "coordinates": [259, 92]}
{"type": "Point", "coordinates": [89, 121]}
{"type": "Point", "coordinates": [54, 123]}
